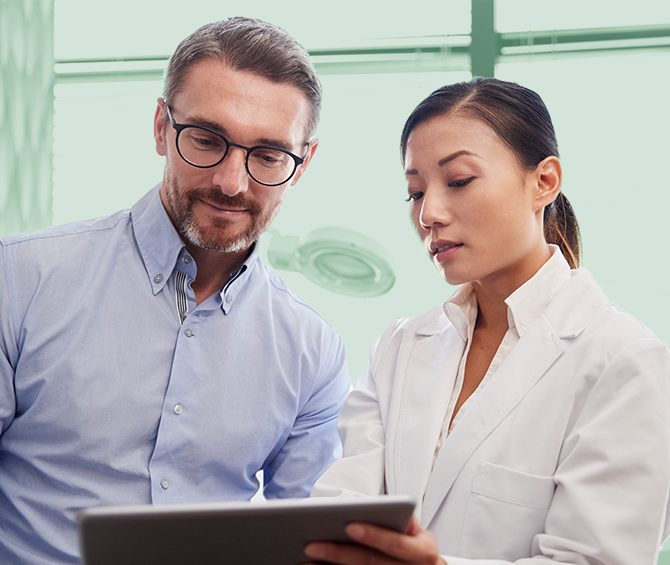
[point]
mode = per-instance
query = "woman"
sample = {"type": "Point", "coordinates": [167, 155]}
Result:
{"type": "Point", "coordinates": [529, 417]}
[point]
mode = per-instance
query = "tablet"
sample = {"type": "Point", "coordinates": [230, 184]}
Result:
{"type": "Point", "coordinates": [239, 533]}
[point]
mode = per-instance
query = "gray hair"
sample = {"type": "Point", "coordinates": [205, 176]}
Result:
{"type": "Point", "coordinates": [253, 46]}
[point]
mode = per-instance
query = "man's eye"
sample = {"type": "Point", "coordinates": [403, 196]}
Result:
{"type": "Point", "coordinates": [414, 197]}
{"type": "Point", "coordinates": [269, 157]}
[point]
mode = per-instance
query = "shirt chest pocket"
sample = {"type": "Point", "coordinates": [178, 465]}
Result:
{"type": "Point", "coordinates": [506, 510]}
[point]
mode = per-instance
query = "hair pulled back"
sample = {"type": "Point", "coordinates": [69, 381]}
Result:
{"type": "Point", "coordinates": [519, 117]}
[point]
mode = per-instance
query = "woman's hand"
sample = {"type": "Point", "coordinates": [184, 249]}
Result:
{"type": "Point", "coordinates": [382, 547]}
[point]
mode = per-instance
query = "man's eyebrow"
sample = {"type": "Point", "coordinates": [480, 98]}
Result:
{"type": "Point", "coordinates": [195, 121]}
{"type": "Point", "coordinates": [446, 160]}
{"type": "Point", "coordinates": [275, 143]}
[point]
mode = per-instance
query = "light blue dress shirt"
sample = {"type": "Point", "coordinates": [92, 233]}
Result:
{"type": "Point", "coordinates": [106, 398]}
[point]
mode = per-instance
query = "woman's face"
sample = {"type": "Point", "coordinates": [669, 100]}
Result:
{"type": "Point", "coordinates": [476, 210]}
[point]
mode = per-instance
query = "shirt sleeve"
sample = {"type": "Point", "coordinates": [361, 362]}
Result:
{"type": "Point", "coordinates": [7, 349]}
{"type": "Point", "coordinates": [361, 472]}
{"type": "Point", "coordinates": [611, 499]}
{"type": "Point", "coordinates": [313, 442]}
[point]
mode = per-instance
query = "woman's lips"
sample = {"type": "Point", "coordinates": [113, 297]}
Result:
{"type": "Point", "coordinates": [443, 250]}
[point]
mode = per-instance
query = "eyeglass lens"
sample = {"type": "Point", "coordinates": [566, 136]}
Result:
{"type": "Point", "coordinates": [205, 149]}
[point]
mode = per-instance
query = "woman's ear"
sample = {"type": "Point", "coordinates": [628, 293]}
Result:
{"type": "Point", "coordinates": [548, 176]}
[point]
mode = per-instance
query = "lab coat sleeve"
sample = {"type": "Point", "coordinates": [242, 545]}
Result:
{"type": "Point", "coordinates": [612, 479]}
{"type": "Point", "coordinates": [361, 430]}
{"type": "Point", "coordinates": [7, 352]}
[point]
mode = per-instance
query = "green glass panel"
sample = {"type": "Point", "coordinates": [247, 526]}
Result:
{"type": "Point", "coordinates": [150, 27]}
{"type": "Point", "coordinates": [26, 109]}
{"type": "Point", "coordinates": [611, 118]}
{"type": "Point", "coordinates": [536, 15]}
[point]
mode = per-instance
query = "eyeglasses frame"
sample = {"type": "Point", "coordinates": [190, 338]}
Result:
{"type": "Point", "coordinates": [180, 127]}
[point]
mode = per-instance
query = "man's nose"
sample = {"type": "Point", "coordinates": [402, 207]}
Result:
{"type": "Point", "coordinates": [230, 175]}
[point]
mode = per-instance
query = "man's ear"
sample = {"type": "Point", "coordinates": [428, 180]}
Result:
{"type": "Point", "coordinates": [313, 143]}
{"type": "Point", "coordinates": [548, 177]}
{"type": "Point", "coordinates": [159, 128]}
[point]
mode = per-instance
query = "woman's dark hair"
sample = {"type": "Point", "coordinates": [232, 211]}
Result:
{"type": "Point", "coordinates": [521, 120]}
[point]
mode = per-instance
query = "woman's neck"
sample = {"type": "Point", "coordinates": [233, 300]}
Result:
{"type": "Point", "coordinates": [494, 290]}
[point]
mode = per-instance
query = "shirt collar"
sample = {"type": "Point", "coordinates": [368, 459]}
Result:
{"type": "Point", "coordinates": [157, 239]}
{"type": "Point", "coordinates": [524, 305]}
{"type": "Point", "coordinates": [461, 309]}
{"type": "Point", "coordinates": [238, 280]}
{"type": "Point", "coordinates": [161, 247]}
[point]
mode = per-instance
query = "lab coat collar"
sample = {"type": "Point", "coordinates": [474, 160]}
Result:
{"type": "Point", "coordinates": [575, 306]}
{"type": "Point", "coordinates": [428, 383]}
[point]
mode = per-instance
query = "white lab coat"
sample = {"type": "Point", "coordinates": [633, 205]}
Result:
{"type": "Point", "coordinates": [564, 457]}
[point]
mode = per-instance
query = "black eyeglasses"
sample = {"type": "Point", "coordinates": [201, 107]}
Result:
{"type": "Point", "coordinates": [205, 148]}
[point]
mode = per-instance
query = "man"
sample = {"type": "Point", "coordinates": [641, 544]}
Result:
{"type": "Point", "coordinates": [149, 357]}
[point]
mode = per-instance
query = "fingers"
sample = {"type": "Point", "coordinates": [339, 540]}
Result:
{"type": "Point", "coordinates": [342, 554]}
{"type": "Point", "coordinates": [380, 546]}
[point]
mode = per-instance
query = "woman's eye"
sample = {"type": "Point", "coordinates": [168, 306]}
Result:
{"type": "Point", "coordinates": [461, 183]}
{"type": "Point", "coordinates": [414, 197]}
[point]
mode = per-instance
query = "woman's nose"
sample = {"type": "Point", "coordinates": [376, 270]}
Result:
{"type": "Point", "coordinates": [434, 209]}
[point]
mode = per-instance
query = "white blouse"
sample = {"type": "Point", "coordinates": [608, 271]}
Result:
{"type": "Point", "coordinates": [524, 306]}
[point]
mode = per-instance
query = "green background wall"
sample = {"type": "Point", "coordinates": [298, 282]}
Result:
{"type": "Point", "coordinates": [609, 107]}
{"type": "Point", "coordinates": [77, 143]}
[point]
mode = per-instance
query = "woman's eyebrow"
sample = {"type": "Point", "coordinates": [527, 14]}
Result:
{"type": "Point", "coordinates": [455, 155]}
{"type": "Point", "coordinates": [446, 160]}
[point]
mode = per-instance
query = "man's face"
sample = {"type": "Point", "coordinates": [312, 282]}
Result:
{"type": "Point", "coordinates": [222, 208]}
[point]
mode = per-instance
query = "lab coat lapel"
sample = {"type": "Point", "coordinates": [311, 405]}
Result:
{"type": "Point", "coordinates": [429, 380]}
{"type": "Point", "coordinates": [535, 352]}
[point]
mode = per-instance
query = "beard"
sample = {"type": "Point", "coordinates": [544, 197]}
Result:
{"type": "Point", "coordinates": [219, 234]}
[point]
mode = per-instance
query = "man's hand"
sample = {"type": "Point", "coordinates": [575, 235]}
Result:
{"type": "Point", "coordinates": [381, 547]}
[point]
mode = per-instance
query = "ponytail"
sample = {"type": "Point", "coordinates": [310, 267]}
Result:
{"type": "Point", "coordinates": [521, 120]}
{"type": "Point", "coordinates": [561, 228]}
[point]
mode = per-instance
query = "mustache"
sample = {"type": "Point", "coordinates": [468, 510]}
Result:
{"type": "Point", "coordinates": [217, 197]}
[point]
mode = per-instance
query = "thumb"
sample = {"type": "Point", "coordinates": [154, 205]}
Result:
{"type": "Point", "coordinates": [414, 526]}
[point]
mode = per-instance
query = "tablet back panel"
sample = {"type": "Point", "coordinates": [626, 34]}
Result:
{"type": "Point", "coordinates": [227, 534]}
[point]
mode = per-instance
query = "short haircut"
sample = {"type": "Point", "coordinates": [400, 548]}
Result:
{"type": "Point", "coordinates": [253, 46]}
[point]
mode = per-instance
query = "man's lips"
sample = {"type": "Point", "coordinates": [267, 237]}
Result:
{"type": "Point", "coordinates": [223, 207]}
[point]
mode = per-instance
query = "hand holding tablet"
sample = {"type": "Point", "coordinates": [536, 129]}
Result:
{"type": "Point", "coordinates": [274, 533]}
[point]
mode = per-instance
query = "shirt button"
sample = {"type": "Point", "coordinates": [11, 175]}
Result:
{"type": "Point", "coordinates": [164, 484]}
{"type": "Point", "coordinates": [158, 278]}
{"type": "Point", "coordinates": [229, 299]}
{"type": "Point", "coordinates": [186, 259]}
{"type": "Point", "coordinates": [188, 332]}
{"type": "Point", "coordinates": [178, 409]}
